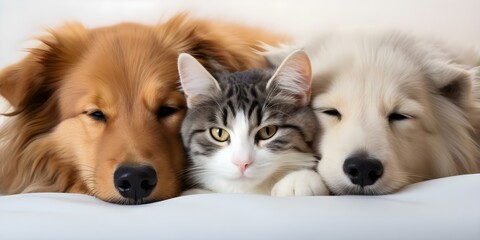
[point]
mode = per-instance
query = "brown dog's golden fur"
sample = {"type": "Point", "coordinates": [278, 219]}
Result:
{"type": "Point", "coordinates": [127, 71]}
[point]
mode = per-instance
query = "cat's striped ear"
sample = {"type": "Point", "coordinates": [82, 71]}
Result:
{"type": "Point", "coordinates": [195, 79]}
{"type": "Point", "coordinates": [293, 78]}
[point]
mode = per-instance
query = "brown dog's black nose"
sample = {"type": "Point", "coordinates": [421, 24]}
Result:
{"type": "Point", "coordinates": [135, 182]}
{"type": "Point", "coordinates": [363, 170]}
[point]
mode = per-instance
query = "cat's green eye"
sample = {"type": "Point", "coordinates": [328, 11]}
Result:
{"type": "Point", "coordinates": [219, 134]}
{"type": "Point", "coordinates": [267, 132]}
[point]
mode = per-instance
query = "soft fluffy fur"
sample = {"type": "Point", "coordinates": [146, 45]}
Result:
{"type": "Point", "coordinates": [242, 104]}
{"type": "Point", "coordinates": [369, 76]}
{"type": "Point", "coordinates": [129, 72]}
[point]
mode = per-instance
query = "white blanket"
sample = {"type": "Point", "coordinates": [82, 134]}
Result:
{"type": "Point", "coordinates": [447, 208]}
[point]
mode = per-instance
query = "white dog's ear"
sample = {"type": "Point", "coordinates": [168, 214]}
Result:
{"type": "Point", "coordinates": [196, 81]}
{"type": "Point", "coordinates": [451, 81]}
{"type": "Point", "coordinates": [293, 78]}
{"type": "Point", "coordinates": [476, 82]}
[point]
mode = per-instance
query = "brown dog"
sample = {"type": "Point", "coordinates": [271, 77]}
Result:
{"type": "Point", "coordinates": [98, 111]}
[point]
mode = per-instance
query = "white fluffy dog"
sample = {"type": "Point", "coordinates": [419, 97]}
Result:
{"type": "Point", "coordinates": [395, 110]}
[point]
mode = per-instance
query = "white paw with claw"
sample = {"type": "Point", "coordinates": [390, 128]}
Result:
{"type": "Point", "coordinates": [300, 183]}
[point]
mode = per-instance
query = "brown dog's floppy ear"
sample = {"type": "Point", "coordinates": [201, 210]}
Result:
{"type": "Point", "coordinates": [43, 65]}
{"type": "Point", "coordinates": [19, 80]}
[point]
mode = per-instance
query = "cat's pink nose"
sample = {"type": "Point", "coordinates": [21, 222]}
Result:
{"type": "Point", "coordinates": [243, 165]}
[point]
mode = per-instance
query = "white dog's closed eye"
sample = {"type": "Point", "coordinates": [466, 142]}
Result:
{"type": "Point", "coordinates": [331, 112]}
{"type": "Point", "coordinates": [392, 117]}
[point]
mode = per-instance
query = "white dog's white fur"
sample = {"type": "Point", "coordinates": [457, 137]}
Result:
{"type": "Point", "coordinates": [367, 77]}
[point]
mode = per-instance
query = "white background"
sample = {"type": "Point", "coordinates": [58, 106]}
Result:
{"type": "Point", "coordinates": [458, 20]}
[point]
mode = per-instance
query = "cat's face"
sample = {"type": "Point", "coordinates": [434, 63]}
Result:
{"type": "Point", "coordinates": [245, 128]}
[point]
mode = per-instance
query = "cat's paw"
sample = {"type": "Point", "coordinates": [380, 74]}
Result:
{"type": "Point", "coordinates": [300, 183]}
{"type": "Point", "coordinates": [195, 191]}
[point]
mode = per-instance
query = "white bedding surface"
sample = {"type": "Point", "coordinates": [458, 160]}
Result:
{"type": "Point", "coordinates": [447, 208]}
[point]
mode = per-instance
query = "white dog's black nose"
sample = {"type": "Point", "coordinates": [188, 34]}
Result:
{"type": "Point", "coordinates": [135, 182]}
{"type": "Point", "coordinates": [363, 170]}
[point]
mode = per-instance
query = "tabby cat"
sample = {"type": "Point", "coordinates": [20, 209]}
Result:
{"type": "Point", "coordinates": [251, 131]}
